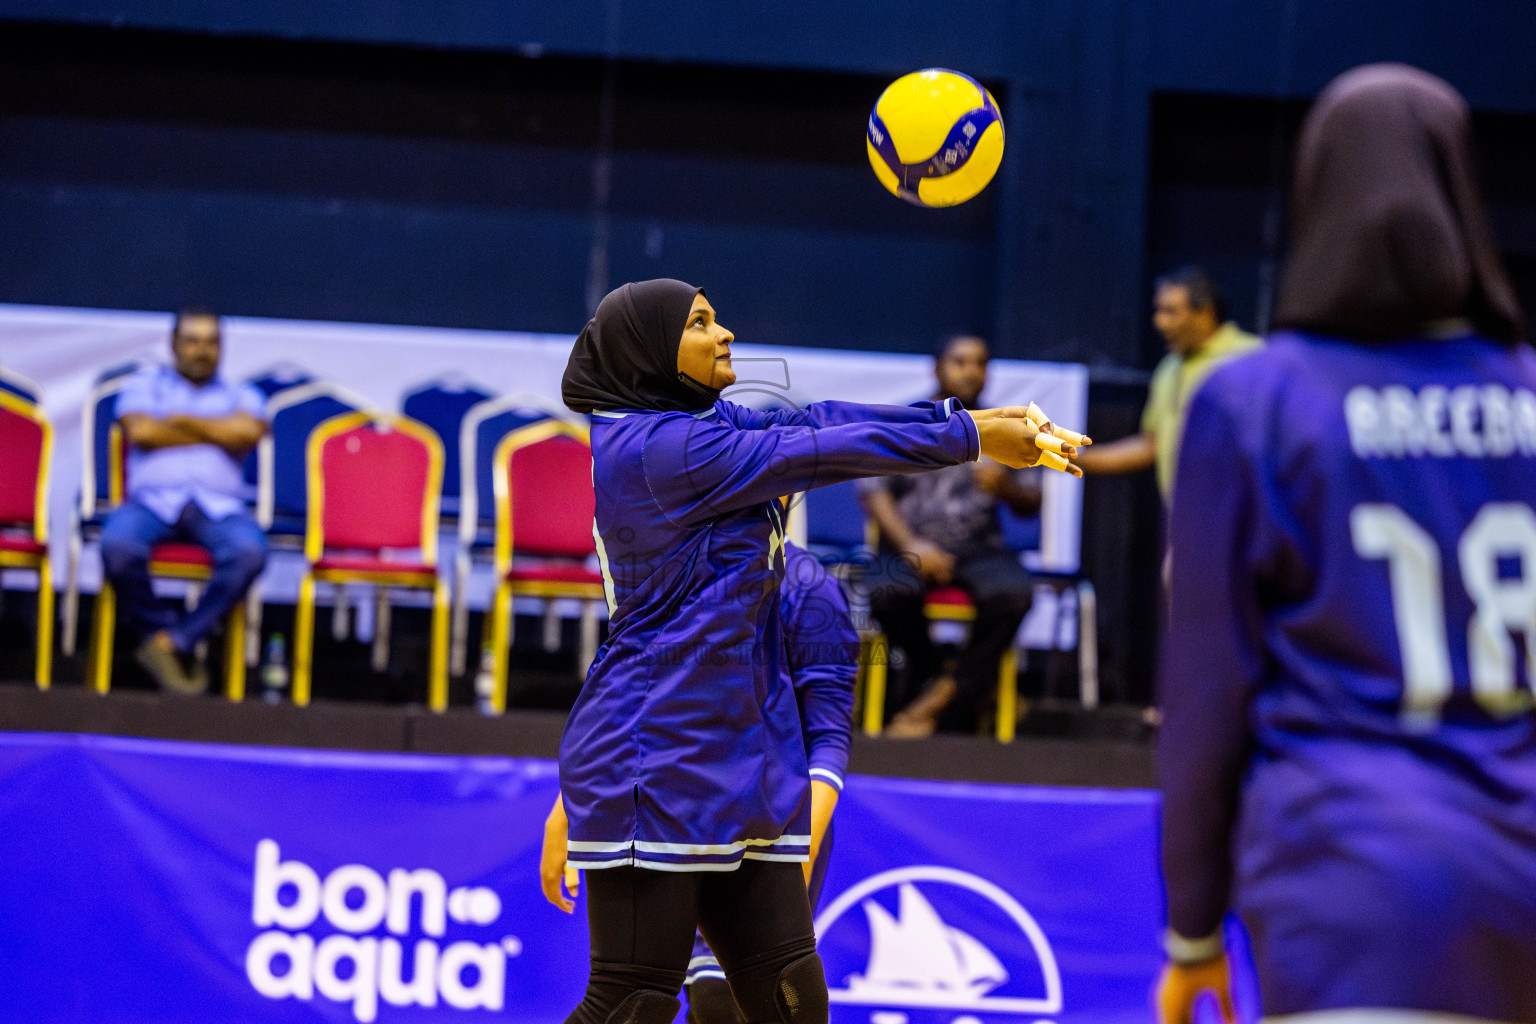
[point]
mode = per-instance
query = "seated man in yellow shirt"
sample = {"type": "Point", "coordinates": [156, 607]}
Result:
{"type": "Point", "coordinates": [1189, 312]}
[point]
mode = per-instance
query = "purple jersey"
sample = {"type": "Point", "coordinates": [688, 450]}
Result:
{"type": "Point", "coordinates": [684, 750]}
{"type": "Point", "coordinates": [821, 651]}
{"type": "Point", "coordinates": [1349, 750]}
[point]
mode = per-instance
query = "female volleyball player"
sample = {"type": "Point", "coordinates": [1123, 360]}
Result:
{"type": "Point", "coordinates": [682, 769]}
{"type": "Point", "coordinates": [821, 651]}
{"type": "Point", "coordinates": [821, 655]}
{"type": "Point", "coordinates": [1349, 748]}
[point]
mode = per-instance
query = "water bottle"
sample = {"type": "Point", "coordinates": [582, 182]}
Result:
{"type": "Point", "coordinates": [274, 670]}
{"type": "Point", "coordinates": [485, 680]}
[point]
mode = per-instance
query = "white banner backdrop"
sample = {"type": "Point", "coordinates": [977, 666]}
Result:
{"type": "Point", "coordinates": [65, 350]}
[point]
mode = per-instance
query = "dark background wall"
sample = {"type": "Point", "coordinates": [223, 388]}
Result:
{"type": "Point", "coordinates": [480, 163]}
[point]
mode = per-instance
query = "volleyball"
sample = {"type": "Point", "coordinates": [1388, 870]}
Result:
{"type": "Point", "coordinates": [935, 137]}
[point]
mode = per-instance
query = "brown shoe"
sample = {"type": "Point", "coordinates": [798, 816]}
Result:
{"type": "Point", "coordinates": [919, 719]}
{"type": "Point", "coordinates": [198, 673]}
{"type": "Point", "coordinates": [164, 667]}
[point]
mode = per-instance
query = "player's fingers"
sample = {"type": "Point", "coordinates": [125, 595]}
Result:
{"type": "Point", "coordinates": [572, 880]}
{"type": "Point", "coordinates": [549, 880]}
{"type": "Point", "coordinates": [551, 886]}
{"type": "Point", "coordinates": [1037, 416]}
{"type": "Point", "coordinates": [1170, 1000]}
{"type": "Point", "coordinates": [1051, 443]}
{"type": "Point", "coordinates": [1224, 1000]}
{"type": "Point", "coordinates": [1050, 460]}
{"type": "Point", "coordinates": [1071, 436]}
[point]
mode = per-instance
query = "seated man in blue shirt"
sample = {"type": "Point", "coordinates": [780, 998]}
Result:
{"type": "Point", "coordinates": [188, 430]}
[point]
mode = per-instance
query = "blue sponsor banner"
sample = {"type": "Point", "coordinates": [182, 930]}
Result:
{"type": "Point", "coordinates": [991, 903]}
{"type": "Point", "coordinates": [148, 881]}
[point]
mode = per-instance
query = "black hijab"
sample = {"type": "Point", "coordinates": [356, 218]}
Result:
{"type": "Point", "coordinates": [626, 356]}
{"type": "Point", "coordinates": [1389, 231]}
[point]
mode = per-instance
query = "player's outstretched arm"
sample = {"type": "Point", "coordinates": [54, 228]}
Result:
{"type": "Point", "coordinates": [698, 469]}
{"type": "Point", "coordinates": [835, 414]}
{"type": "Point", "coordinates": [1212, 661]}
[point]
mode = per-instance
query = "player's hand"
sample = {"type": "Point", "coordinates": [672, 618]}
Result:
{"type": "Point", "coordinates": [1021, 436]}
{"type": "Point", "coordinates": [1181, 984]}
{"type": "Point", "coordinates": [934, 564]}
{"type": "Point", "coordinates": [1009, 436]}
{"type": "Point", "coordinates": [1057, 443]}
{"type": "Point", "coordinates": [823, 802]}
{"type": "Point", "coordinates": [553, 870]}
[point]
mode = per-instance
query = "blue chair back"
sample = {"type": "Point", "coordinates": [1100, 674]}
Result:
{"type": "Point", "coordinates": [20, 385]}
{"type": "Point", "coordinates": [488, 434]}
{"type": "Point", "coordinates": [834, 519]}
{"type": "Point", "coordinates": [481, 430]}
{"type": "Point", "coordinates": [120, 370]}
{"type": "Point", "coordinates": [835, 522]}
{"type": "Point", "coordinates": [269, 383]}
{"type": "Point", "coordinates": [293, 414]}
{"type": "Point", "coordinates": [1020, 533]}
{"type": "Point", "coordinates": [96, 431]}
{"type": "Point", "coordinates": [442, 406]}
{"type": "Point", "coordinates": [279, 378]}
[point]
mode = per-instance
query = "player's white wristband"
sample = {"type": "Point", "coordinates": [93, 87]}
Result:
{"type": "Point", "coordinates": [1193, 951]}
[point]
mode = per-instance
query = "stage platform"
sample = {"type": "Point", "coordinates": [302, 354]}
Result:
{"type": "Point", "coordinates": [1057, 747]}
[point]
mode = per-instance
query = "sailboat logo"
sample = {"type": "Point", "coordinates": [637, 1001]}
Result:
{"type": "Point", "coordinates": [920, 953]}
{"type": "Point", "coordinates": [917, 960]}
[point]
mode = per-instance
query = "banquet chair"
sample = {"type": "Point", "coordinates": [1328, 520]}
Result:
{"type": "Point", "coordinates": [372, 517]}
{"type": "Point", "coordinates": [481, 431]}
{"type": "Point", "coordinates": [281, 489]}
{"type": "Point", "coordinates": [170, 560]}
{"type": "Point", "coordinates": [544, 533]}
{"type": "Point", "coordinates": [26, 448]}
{"type": "Point", "coordinates": [97, 420]}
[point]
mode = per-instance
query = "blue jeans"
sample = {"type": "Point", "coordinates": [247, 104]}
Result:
{"type": "Point", "coordinates": [239, 551]}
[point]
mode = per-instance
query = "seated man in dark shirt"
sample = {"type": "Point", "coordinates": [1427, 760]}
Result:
{"type": "Point", "coordinates": [940, 529]}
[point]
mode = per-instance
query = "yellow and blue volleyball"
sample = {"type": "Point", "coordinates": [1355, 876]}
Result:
{"type": "Point", "coordinates": [935, 137]}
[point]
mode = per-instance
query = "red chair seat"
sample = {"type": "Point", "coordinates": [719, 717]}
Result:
{"type": "Point", "coordinates": [950, 596]}
{"type": "Point", "coordinates": [25, 545]}
{"type": "Point", "coordinates": [373, 564]}
{"type": "Point", "coordinates": [554, 573]}
{"type": "Point", "coordinates": [176, 553]}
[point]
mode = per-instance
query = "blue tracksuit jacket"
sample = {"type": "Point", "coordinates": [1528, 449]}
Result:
{"type": "Point", "coordinates": [684, 750]}
{"type": "Point", "coordinates": [1349, 747]}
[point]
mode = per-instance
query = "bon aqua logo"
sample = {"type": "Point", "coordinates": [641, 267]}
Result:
{"type": "Point", "coordinates": [904, 960]}
{"type": "Point", "coordinates": [371, 957]}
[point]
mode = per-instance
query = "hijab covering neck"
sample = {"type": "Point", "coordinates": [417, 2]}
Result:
{"type": "Point", "coordinates": [626, 356]}
{"type": "Point", "coordinates": [1389, 232]}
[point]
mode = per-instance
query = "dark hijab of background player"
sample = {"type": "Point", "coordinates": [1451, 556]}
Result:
{"type": "Point", "coordinates": [1389, 233]}
{"type": "Point", "coordinates": [626, 356]}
